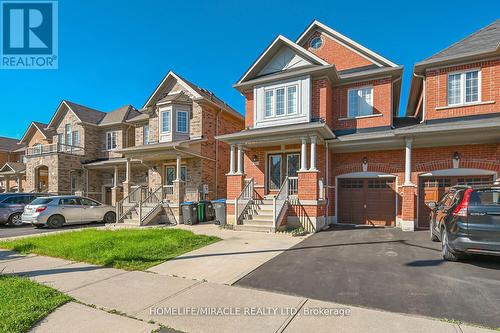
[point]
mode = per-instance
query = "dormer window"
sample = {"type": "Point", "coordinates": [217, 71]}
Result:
{"type": "Point", "coordinates": [463, 87]}
{"type": "Point", "coordinates": [281, 101]}
{"type": "Point", "coordinates": [182, 121]}
{"type": "Point", "coordinates": [360, 102]}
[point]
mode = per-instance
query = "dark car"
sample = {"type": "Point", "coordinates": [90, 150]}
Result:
{"type": "Point", "coordinates": [12, 206]}
{"type": "Point", "coordinates": [467, 221]}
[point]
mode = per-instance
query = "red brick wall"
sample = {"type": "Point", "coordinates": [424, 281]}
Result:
{"type": "Point", "coordinates": [437, 92]}
{"type": "Point", "coordinates": [321, 100]}
{"type": "Point", "coordinates": [249, 109]}
{"type": "Point", "coordinates": [337, 54]}
{"type": "Point", "coordinates": [381, 106]}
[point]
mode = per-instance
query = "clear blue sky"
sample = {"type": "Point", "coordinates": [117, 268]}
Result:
{"type": "Point", "coordinates": [113, 53]}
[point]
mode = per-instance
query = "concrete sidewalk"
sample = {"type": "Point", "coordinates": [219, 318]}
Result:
{"type": "Point", "coordinates": [182, 304]}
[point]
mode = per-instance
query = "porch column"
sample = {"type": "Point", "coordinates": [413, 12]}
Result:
{"type": "Point", "coordinates": [232, 160]}
{"type": "Point", "coordinates": [313, 153]}
{"type": "Point", "coordinates": [178, 168]}
{"type": "Point", "coordinates": [114, 189]}
{"type": "Point", "coordinates": [303, 154]}
{"type": "Point", "coordinates": [126, 183]}
{"type": "Point", "coordinates": [408, 144]}
{"type": "Point", "coordinates": [19, 184]}
{"type": "Point", "coordinates": [240, 160]}
{"type": "Point", "coordinates": [7, 183]}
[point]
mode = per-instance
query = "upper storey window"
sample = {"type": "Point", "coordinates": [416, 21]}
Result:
{"type": "Point", "coordinates": [282, 103]}
{"type": "Point", "coordinates": [463, 87]}
{"type": "Point", "coordinates": [316, 43]}
{"type": "Point", "coordinates": [360, 102]}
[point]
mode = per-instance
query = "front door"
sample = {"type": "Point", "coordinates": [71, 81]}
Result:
{"type": "Point", "coordinates": [169, 175]}
{"type": "Point", "coordinates": [281, 166]}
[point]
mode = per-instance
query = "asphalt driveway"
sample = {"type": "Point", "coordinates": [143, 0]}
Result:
{"type": "Point", "coordinates": [385, 269]}
{"type": "Point", "coordinates": [9, 231]}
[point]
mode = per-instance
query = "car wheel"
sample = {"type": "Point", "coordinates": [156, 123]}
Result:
{"type": "Point", "coordinates": [55, 221]}
{"type": "Point", "coordinates": [433, 237]}
{"type": "Point", "coordinates": [448, 255]}
{"type": "Point", "coordinates": [15, 220]}
{"type": "Point", "coordinates": [109, 217]}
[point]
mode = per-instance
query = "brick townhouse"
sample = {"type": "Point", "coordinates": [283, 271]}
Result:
{"type": "Point", "coordinates": [12, 167]}
{"type": "Point", "coordinates": [144, 161]}
{"type": "Point", "coordinates": [323, 142]}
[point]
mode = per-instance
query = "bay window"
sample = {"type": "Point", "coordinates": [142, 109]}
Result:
{"type": "Point", "coordinates": [145, 135]}
{"type": "Point", "coordinates": [182, 121]}
{"type": "Point", "coordinates": [281, 101]}
{"type": "Point", "coordinates": [360, 102]}
{"type": "Point", "coordinates": [463, 87]}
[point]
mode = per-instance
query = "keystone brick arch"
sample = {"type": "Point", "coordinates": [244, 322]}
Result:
{"type": "Point", "coordinates": [372, 167]}
{"type": "Point", "coordinates": [448, 164]}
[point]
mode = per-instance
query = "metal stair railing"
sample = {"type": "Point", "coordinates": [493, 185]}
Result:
{"type": "Point", "coordinates": [149, 205]}
{"type": "Point", "coordinates": [280, 203]}
{"type": "Point", "coordinates": [243, 201]}
{"type": "Point", "coordinates": [133, 200]}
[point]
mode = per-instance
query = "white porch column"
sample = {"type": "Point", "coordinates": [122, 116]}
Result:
{"type": "Point", "coordinates": [127, 168]}
{"type": "Point", "coordinates": [115, 177]}
{"type": "Point", "coordinates": [178, 168]}
{"type": "Point", "coordinates": [313, 153]}
{"type": "Point", "coordinates": [303, 154]}
{"type": "Point", "coordinates": [240, 160]}
{"type": "Point", "coordinates": [408, 144]}
{"type": "Point", "coordinates": [232, 160]}
{"type": "Point", "coordinates": [19, 184]}
{"type": "Point", "coordinates": [7, 183]}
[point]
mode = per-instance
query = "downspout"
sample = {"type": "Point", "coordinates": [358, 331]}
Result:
{"type": "Point", "coordinates": [392, 96]}
{"type": "Point", "coordinates": [217, 117]}
{"type": "Point", "coordinates": [424, 96]}
{"type": "Point", "coordinates": [327, 183]}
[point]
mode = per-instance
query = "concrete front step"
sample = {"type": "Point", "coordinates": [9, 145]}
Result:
{"type": "Point", "coordinates": [253, 227]}
{"type": "Point", "coordinates": [263, 202]}
{"type": "Point", "coordinates": [255, 220]}
{"type": "Point", "coordinates": [131, 221]}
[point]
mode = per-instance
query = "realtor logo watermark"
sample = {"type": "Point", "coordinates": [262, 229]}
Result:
{"type": "Point", "coordinates": [29, 31]}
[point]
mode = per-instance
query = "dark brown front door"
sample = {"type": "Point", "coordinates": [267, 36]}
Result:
{"type": "Point", "coordinates": [367, 201]}
{"type": "Point", "coordinates": [432, 189]}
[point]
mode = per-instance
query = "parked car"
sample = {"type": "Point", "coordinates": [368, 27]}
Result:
{"type": "Point", "coordinates": [12, 206]}
{"type": "Point", "coordinates": [57, 211]}
{"type": "Point", "coordinates": [467, 221]}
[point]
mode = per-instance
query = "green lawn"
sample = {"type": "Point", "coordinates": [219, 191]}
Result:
{"type": "Point", "coordinates": [131, 249]}
{"type": "Point", "coordinates": [23, 303]}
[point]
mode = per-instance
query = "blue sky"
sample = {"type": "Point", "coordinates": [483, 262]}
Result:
{"type": "Point", "coordinates": [113, 53]}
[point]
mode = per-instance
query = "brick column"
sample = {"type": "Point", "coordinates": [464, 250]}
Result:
{"type": "Point", "coordinates": [235, 185]}
{"type": "Point", "coordinates": [308, 185]}
{"type": "Point", "coordinates": [179, 191]}
{"type": "Point", "coordinates": [409, 208]}
{"type": "Point", "coordinates": [126, 183]}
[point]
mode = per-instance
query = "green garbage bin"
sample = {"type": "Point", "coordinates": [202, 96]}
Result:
{"type": "Point", "coordinates": [202, 217]}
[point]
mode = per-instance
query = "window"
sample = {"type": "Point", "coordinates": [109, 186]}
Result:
{"type": "Point", "coordinates": [183, 173]}
{"type": "Point", "coordinates": [16, 200]}
{"type": "Point", "coordinates": [170, 174]}
{"type": "Point", "coordinates": [165, 121]}
{"type": "Point", "coordinates": [67, 131]}
{"type": "Point", "coordinates": [111, 140]}
{"type": "Point", "coordinates": [316, 43]}
{"type": "Point", "coordinates": [281, 101]}
{"type": "Point", "coordinates": [74, 183]}
{"type": "Point", "coordinates": [292, 100]}
{"type": "Point", "coordinates": [360, 102]}
{"type": "Point", "coordinates": [75, 140]}
{"type": "Point", "coordinates": [182, 121]}
{"type": "Point", "coordinates": [269, 103]}
{"type": "Point", "coordinates": [88, 202]}
{"type": "Point", "coordinates": [41, 201]}
{"type": "Point", "coordinates": [69, 202]}
{"type": "Point", "coordinates": [145, 135]}
{"type": "Point", "coordinates": [60, 138]}
{"type": "Point", "coordinates": [463, 87]}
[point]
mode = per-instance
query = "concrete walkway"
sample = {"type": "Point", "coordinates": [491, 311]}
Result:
{"type": "Point", "coordinates": [144, 300]}
{"type": "Point", "coordinates": [227, 261]}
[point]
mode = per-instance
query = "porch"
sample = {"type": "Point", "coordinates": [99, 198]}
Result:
{"type": "Point", "coordinates": [12, 177]}
{"type": "Point", "coordinates": [278, 177]}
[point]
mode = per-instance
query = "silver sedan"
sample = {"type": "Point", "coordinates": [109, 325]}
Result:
{"type": "Point", "coordinates": [57, 211]}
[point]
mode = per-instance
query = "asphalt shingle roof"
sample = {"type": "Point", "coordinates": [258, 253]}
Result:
{"type": "Point", "coordinates": [43, 128]}
{"type": "Point", "coordinates": [119, 115]}
{"type": "Point", "coordinates": [8, 144]}
{"type": "Point", "coordinates": [86, 114]}
{"type": "Point", "coordinates": [485, 40]}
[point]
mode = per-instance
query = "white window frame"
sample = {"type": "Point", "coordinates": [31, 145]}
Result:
{"type": "Point", "coordinates": [177, 121]}
{"type": "Point", "coordinates": [462, 86]}
{"type": "Point", "coordinates": [110, 144]}
{"type": "Point", "coordinates": [274, 100]}
{"type": "Point", "coordinates": [75, 134]}
{"type": "Point", "coordinates": [68, 134]}
{"type": "Point", "coordinates": [349, 116]}
{"type": "Point", "coordinates": [145, 137]}
{"type": "Point", "coordinates": [167, 112]}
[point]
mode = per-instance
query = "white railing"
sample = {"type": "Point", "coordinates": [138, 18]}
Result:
{"type": "Point", "coordinates": [53, 148]}
{"type": "Point", "coordinates": [244, 200]}
{"type": "Point", "coordinates": [130, 202]}
{"type": "Point", "coordinates": [280, 202]}
{"type": "Point", "coordinates": [293, 185]}
{"type": "Point", "coordinates": [149, 205]}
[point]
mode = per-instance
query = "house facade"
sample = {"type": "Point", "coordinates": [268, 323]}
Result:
{"type": "Point", "coordinates": [12, 167]}
{"type": "Point", "coordinates": [141, 161]}
{"type": "Point", "coordinates": [324, 144]}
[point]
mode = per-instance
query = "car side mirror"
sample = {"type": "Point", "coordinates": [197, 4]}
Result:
{"type": "Point", "coordinates": [432, 205]}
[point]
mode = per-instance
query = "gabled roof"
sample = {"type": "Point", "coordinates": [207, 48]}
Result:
{"type": "Point", "coordinates": [271, 50]}
{"type": "Point", "coordinates": [37, 126]}
{"type": "Point", "coordinates": [8, 144]}
{"type": "Point", "coordinates": [197, 92]}
{"type": "Point", "coordinates": [83, 113]}
{"type": "Point", "coordinates": [13, 167]}
{"type": "Point", "coordinates": [485, 40]}
{"type": "Point", "coordinates": [120, 115]}
{"type": "Point", "coordinates": [358, 48]}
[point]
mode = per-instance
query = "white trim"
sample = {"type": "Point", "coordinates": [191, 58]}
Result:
{"type": "Point", "coordinates": [163, 136]}
{"type": "Point", "coordinates": [57, 112]}
{"type": "Point", "coordinates": [453, 106]}
{"type": "Point", "coordinates": [286, 41]}
{"type": "Point", "coordinates": [341, 38]}
{"type": "Point", "coordinates": [463, 83]}
{"type": "Point", "coordinates": [177, 111]}
{"type": "Point", "coordinates": [116, 140]}
{"type": "Point", "coordinates": [169, 75]}
{"type": "Point", "coordinates": [358, 89]}
{"type": "Point", "coordinates": [362, 117]}
{"type": "Point", "coordinates": [457, 172]}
